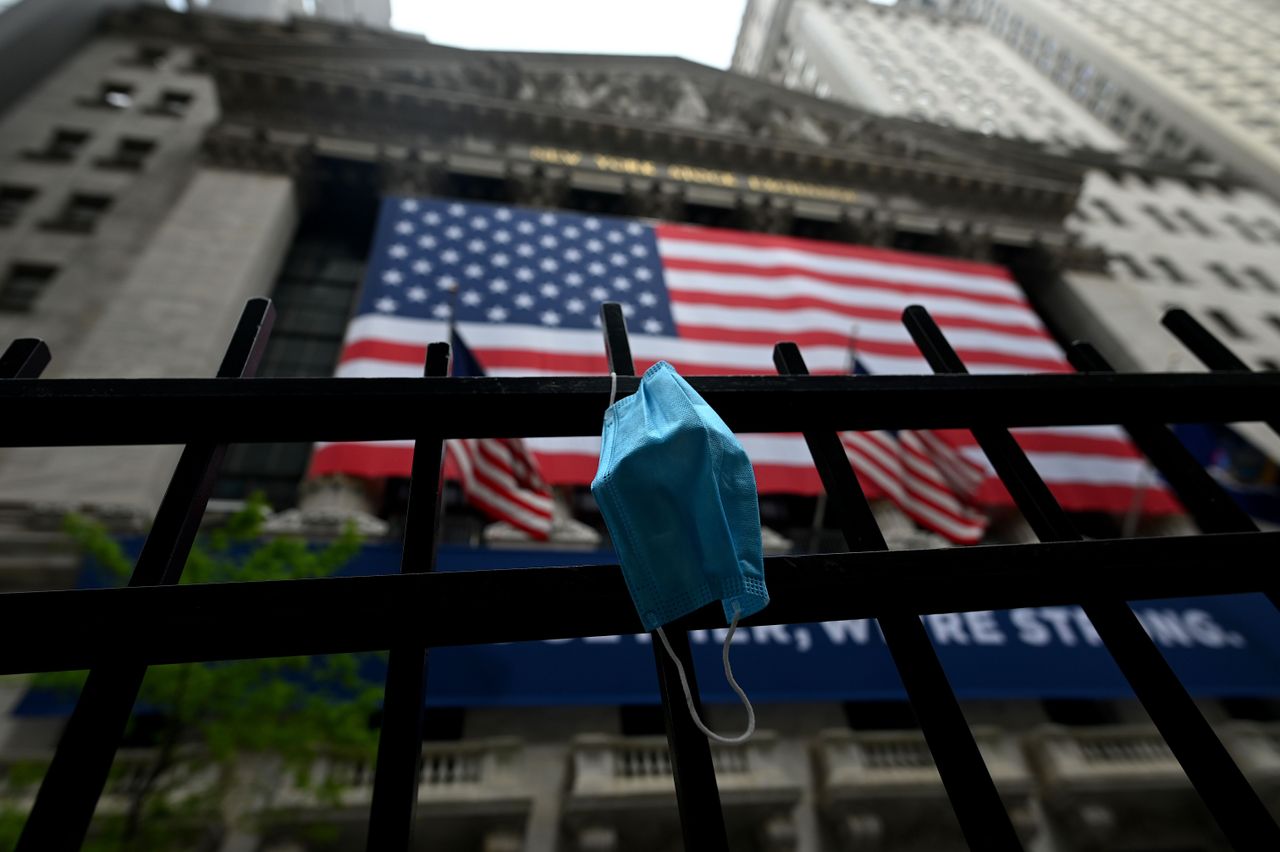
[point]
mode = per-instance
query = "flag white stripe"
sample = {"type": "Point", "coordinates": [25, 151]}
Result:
{"type": "Point", "coordinates": [681, 281]}
{"type": "Point", "coordinates": [869, 446]}
{"type": "Point", "coordinates": [766, 257]}
{"type": "Point", "coordinates": [497, 501]}
{"type": "Point", "coordinates": [871, 467]}
{"type": "Point", "coordinates": [879, 331]}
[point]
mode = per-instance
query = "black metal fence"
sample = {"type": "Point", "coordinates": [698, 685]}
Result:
{"type": "Point", "coordinates": [117, 633]}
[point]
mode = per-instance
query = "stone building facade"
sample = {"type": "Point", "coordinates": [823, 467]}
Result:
{"type": "Point", "coordinates": [179, 164]}
{"type": "Point", "coordinates": [1181, 224]}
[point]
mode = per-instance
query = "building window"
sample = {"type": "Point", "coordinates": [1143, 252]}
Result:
{"type": "Point", "coordinates": [1193, 222]}
{"type": "Point", "coordinates": [147, 56]}
{"type": "Point", "coordinates": [1170, 269]}
{"type": "Point", "coordinates": [1226, 323]}
{"type": "Point", "coordinates": [23, 286]}
{"type": "Point", "coordinates": [130, 155]}
{"type": "Point", "coordinates": [1268, 227]}
{"type": "Point", "coordinates": [1157, 216]}
{"type": "Point", "coordinates": [1226, 276]}
{"type": "Point", "coordinates": [1240, 227]}
{"type": "Point", "coordinates": [1129, 265]}
{"type": "Point", "coordinates": [111, 95]}
{"type": "Point", "coordinates": [172, 103]}
{"type": "Point", "coordinates": [1106, 209]}
{"type": "Point", "coordinates": [62, 146]}
{"type": "Point", "coordinates": [1262, 279]}
{"type": "Point", "coordinates": [13, 200]}
{"type": "Point", "coordinates": [80, 214]}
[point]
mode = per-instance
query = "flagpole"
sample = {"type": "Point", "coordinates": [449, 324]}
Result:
{"type": "Point", "coordinates": [1140, 486]}
{"type": "Point", "coordinates": [820, 505]}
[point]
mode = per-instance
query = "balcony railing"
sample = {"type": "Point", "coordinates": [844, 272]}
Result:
{"type": "Point", "coordinates": [880, 787]}
{"type": "Point", "coordinates": [611, 771]}
{"type": "Point", "coordinates": [485, 775]}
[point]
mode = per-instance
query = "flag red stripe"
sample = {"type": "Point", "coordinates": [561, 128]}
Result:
{"type": "Point", "coordinates": [669, 230]}
{"type": "Point", "coordinates": [796, 303]}
{"type": "Point", "coordinates": [782, 270]}
{"type": "Point", "coordinates": [865, 346]}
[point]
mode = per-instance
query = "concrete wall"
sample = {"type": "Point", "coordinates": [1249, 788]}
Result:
{"type": "Point", "coordinates": [172, 317]}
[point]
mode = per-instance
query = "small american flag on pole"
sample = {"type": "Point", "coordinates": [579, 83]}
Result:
{"type": "Point", "coordinates": [499, 476]}
{"type": "Point", "coordinates": [924, 476]}
{"type": "Point", "coordinates": [529, 285]}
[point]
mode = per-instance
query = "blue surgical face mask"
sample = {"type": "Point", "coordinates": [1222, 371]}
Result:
{"type": "Point", "coordinates": [678, 494]}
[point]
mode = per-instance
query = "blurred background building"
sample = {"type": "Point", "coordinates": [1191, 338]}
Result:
{"type": "Point", "coordinates": [1183, 204]}
{"type": "Point", "coordinates": [158, 168]}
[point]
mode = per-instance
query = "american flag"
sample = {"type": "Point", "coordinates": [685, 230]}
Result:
{"type": "Point", "coordinates": [529, 285]}
{"type": "Point", "coordinates": [499, 476]}
{"type": "Point", "coordinates": [924, 476]}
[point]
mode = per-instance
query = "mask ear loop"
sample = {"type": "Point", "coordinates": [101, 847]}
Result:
{"type": "Point", "coordinates": [613, 388]}
{"type": "Point", "coordinates": [728, 674]}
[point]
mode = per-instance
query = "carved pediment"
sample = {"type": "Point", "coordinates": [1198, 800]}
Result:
{"type": "Point", "coordinates": [324, 80]}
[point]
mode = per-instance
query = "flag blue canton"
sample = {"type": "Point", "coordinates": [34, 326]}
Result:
{"type": "Point", "coordinates": [507, 265]}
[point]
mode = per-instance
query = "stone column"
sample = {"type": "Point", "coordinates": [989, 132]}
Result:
{"type": "Point", "coordinates": [221, 245]}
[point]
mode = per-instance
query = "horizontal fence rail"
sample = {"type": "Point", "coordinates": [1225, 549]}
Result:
{"type": "Point", "coordinates": [80, 412]}
{"type": "Point", "coordinates": [117, 630]}
{"type": "Point", "coordinates": [277, 618]}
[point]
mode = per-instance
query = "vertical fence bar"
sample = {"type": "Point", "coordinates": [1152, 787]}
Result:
{"type": "Point", "coordinates": [24, 358]}
{"type": "Point", "coordinates": [1204, 499]}
{"type": "Point", "coordinates": [64, 805]}
{"type": "Point", "coordinates": [1209, 505]}
{"type": "Point", "coordinates": [1235, 806]}
{"type": "Point", "coordinates": [395, 780]}
{"type": "Point", "coordinates": [697, 794]}
{"type": "Point", "coordinates": [1212, 352]}
{"type": "Point", "coordinates": [982, 815]}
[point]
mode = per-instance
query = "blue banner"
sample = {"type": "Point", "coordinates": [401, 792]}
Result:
{"type": "Point", "coordinates": [1219, 646]}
